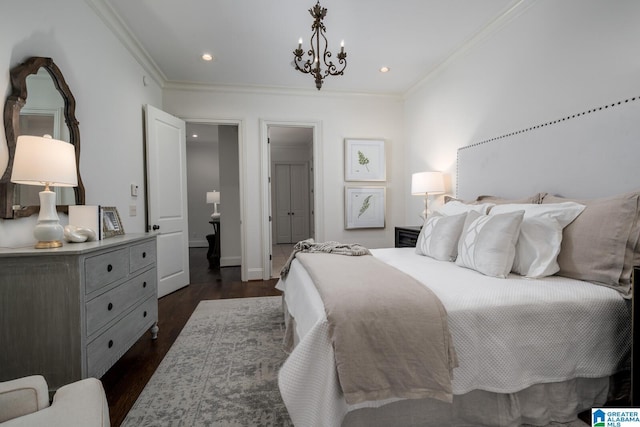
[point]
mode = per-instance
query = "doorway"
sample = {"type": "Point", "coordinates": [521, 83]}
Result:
{"type": "Point", "coordinates": [213, 165]}
{"type": "Point", "coordinates": [291, 189]}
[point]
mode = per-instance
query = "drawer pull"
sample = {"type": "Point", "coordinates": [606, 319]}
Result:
{"type": "Point", "coordinates": [109, 267]}
{"type": "Point", "coordinates": [144, 254]}
{"type": "Point", "coordinates": [144, 314]}
{"type": "Point", "coordinates": [144, 284]}
{"type": "Point", "coordinates": [110, 343]}
{"type": "Point", "coordinates": [110, 306]}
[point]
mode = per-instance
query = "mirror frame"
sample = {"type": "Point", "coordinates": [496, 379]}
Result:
{"type": "Point", "coordinates": [14, 103]}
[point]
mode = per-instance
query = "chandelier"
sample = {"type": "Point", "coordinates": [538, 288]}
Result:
{"type": "Point", "coordinates": [313, 64]}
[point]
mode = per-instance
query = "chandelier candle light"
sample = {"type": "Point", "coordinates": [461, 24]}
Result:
{"type": "Point", "coordinates": [312, 65]}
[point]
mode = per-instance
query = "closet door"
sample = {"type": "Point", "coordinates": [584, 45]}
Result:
{"type": "Point", "coordinates": [282, 179]}
{"type": "Point", "coordinates": [291, 202]}
{"type": "Point", "coordinates": [299, 202]}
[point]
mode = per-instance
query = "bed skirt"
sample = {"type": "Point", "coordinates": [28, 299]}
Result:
{"type": "Point", "coordinates": [539, 405]}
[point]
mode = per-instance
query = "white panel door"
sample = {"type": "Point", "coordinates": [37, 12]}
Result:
{"type": "Point", "coordinates": [299, 202]}
{"type": "Point", "coordinates": [292, 202]}
{"type": "Point", "coordinates": [282, 180]}
{"type": "Point", "coordinates": [167, 197]}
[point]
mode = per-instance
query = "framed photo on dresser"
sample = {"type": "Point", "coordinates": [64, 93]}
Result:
{"type": "Point", "coordinates": [111, 223]}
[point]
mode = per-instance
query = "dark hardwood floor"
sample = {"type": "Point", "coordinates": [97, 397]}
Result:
{"type": "Point", "coordinates": [124, 382]}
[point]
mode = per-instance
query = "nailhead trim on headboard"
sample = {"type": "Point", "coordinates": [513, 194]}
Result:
{"type": "Point", "coordinates": [573, 116]}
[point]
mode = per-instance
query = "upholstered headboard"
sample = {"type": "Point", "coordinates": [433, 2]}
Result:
{"type": "Point", "coordinates": [594, 153]}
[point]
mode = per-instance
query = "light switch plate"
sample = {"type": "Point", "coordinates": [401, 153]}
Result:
{"type": "Point", "coordinates": [133, 210]}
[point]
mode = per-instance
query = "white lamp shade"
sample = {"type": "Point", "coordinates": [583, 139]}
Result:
{"type": "Point", "coordinates": [427, 182]}
{"type": "Point", "coordinates": [213, 197]}
{"type": "Point", "coordinates": [41, 161]}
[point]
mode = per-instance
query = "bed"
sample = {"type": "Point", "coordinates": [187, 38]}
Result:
{"type": "Point", "coordinates": [537, 342]}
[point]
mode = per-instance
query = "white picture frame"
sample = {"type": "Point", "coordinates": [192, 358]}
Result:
{"type": "Point", "coordinates": [364, 207]}
{"type": "Point", "coordinates": [364, 160]}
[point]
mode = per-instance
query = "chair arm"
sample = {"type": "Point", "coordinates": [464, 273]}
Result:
{"type": "Point", "coordinates": [23, 396]}
{"type": "Point", "coordinates": [79, 404]}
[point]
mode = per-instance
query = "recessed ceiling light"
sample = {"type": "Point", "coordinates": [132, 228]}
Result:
{"type": "Point", "coordinates": [207, 57]}
{"type": "Point", "coordinates": [384, 69]}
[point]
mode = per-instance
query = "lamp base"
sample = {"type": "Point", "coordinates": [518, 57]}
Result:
{"type": "Point", "coordinates": [49, 245]}
{"type": "Point", "coordinates": [48, 232]}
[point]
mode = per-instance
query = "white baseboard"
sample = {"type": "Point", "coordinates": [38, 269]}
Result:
{"type": "Point", "coordinates": [230, 261]}
{"type": "Point", "coordinates": [198, 243]}
{"type": "Point", "coordinates": [254, 274]}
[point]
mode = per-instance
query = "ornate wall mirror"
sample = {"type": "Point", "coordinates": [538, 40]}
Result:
{"type": "Point", "coordinates": [40, 103]}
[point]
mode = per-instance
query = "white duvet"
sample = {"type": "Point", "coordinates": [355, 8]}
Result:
{"type": "Point", "coordinates": [508, 333]}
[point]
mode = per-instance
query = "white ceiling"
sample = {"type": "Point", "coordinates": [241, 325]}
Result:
{"type": "Point", "coordinates": [253, 40]}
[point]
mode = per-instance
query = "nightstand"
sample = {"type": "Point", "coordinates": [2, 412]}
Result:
{"type": "Point", "coordinates": [407, 236]}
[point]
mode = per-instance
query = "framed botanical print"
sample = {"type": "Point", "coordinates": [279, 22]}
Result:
{"type": "Point", "coordinates": [364, 207]}
{"type": "Point", "coordinates": [364, 160]}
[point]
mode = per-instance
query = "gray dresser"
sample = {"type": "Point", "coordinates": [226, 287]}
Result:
{"type": "Point", "coordinates": [72, 312]}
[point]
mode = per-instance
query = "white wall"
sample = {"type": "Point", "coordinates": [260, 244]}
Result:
{"type": "Point", "coordinates": [107, 84]}
{"type": "Point", "coordinates": [340, 117]}
{"type": "Point", "coordinates": [554, 59]}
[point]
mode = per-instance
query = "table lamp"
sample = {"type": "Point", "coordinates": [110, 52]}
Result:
{"type": "Point", "coordinates": [45, 161]}
{"type": "Point", "coordinates": [425, 183]}
{"type": "Point", "coordinates": [214, 197]}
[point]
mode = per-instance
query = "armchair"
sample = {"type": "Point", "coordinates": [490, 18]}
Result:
{"type": "Point", "coordinates": [25, 402]}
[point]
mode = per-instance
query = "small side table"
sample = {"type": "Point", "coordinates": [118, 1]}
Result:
{"type": "Point", "coordinates": [407, 236]}
{"type": "Point", "coordinates": [213, 254]}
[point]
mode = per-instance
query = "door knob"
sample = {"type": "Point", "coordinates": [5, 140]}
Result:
{"type": "Point", "coordinates": [156, 227]}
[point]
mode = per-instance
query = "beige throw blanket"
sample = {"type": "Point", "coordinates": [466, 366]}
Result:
{"type": "Point", "coordinates": [389, 332]}
{"type": "Point", "coordinates": [309, 245]}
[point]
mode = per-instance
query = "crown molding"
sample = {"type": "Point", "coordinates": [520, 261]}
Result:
{"type": "Point", "coordinates": [117, 26]}
{"type": "Point", "coordinates": [274, 90]}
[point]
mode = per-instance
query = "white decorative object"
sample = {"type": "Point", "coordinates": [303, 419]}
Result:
{"type": "Point", "coordinates": [86, 216]}
{"type": "Point", "coordinates": [51, 163]}
{"type": "Point", "coordinates": [213, 197]}
{"type": "Point", "coordinates": [75, 234]}
{"type": "Point", "coordinates": [425, 183]}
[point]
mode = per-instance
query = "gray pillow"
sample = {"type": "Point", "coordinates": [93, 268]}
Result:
{"type": "Point", "coordinates": [601, 244]}
{"type": "Point", "coordinates": [439, 236]}
{"type": "Point", "coordinates": [488, 242]}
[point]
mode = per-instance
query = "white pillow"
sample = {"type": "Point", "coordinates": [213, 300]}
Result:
{"type": "Point", "coordinates": [439, 236]}
{"type": "Point", "coordinates": [456, 207]}
{"type": "Point", "coordinates": [540, 237]}
{"type": "Point", "coordinates": [488, 242]}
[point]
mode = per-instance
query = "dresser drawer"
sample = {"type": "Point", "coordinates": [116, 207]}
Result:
{"type": "Point", "coordinates": [103, 351]}
{"type": "Point", "coordinates": [108, 306]}
{"type": "Point", "coordinates": [142, 255]}
{"type": "Point", "coordinates": [105, 268]}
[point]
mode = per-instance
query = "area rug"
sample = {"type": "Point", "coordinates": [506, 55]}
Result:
{"type": "Point", "coordinates": [221, 371]}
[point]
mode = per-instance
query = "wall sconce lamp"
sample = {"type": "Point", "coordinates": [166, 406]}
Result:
{"type": "Point", "coordinates": [52, 163]}
{"type": "Point", "coordinates": [213, 197]}
{"type": "Point", "coordinates": [425, 183]}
